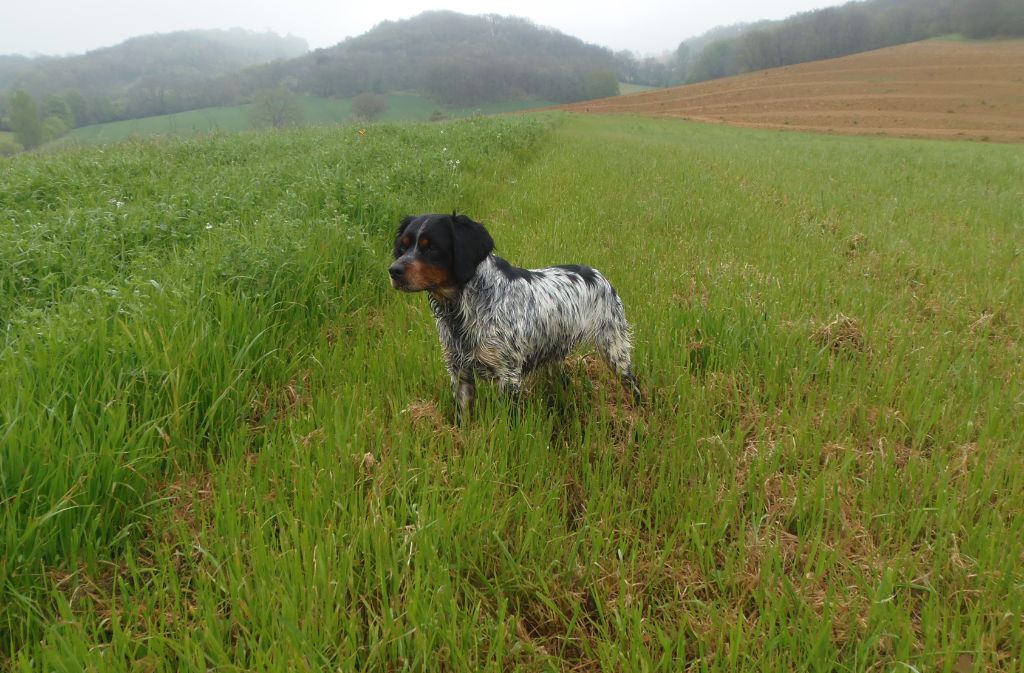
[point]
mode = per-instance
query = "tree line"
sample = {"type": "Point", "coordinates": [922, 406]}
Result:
{"type": "Point", "coordinates": [839, 31]}
{"type": "Point", "coordinates": [820, 34]}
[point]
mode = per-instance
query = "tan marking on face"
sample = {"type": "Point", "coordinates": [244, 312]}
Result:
{"type": "Point", "coordinates": [422, 276]}
{"type": "Point", "coordinates": [424, 243]}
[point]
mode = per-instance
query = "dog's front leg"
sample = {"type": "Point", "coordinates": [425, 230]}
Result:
{"type": "Point", "coordinates": [464, 390]}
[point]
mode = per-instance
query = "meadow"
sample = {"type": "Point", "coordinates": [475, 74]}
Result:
{"type": "Point", "coordinates": [402, 107]}
{"type": "Point", "coordinates": [228, 444]}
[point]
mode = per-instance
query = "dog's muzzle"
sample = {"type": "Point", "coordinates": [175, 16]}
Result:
{"type": "Point", "coordinates": [397, 273]}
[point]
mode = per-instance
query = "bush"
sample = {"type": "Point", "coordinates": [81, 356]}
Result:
{"type": "Point", "coordinates": [8, 145]}
{"type": "Point", "coordinates": [275, 109]}
{"type": "Point", "coordinates": [369, 106]}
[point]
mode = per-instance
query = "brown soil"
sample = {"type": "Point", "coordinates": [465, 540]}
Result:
{"type": "Point", "coordinates": [931, 89]}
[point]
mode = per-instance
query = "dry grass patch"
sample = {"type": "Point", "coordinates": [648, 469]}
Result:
{"type": "Point", "coordinates": [842, 334]}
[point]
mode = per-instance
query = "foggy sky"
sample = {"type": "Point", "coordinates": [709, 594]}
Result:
{"type": "Point", "coordinates": [643, 26]}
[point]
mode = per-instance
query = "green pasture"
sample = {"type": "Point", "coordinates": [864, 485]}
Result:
{"type": "Point", "coordinates": [315, 112]}
{"type": "Point", "coordinates": [625, 88]}
{"type": "Point", "coordinates": [229, 445]}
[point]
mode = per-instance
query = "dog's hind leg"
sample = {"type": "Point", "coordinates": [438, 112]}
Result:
{"type": "Point", "coordinates": [510, 381]}
{"type": "Point", "coordinates": [613, 343]}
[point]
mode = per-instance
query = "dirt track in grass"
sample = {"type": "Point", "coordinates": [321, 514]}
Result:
{"type": "Point", "coordinates": [932, 89]}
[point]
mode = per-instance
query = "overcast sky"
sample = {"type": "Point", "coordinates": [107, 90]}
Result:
{"type": "Point", "coordinates": [644, 26]}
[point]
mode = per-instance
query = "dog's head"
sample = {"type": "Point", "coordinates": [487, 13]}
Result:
{"type": "Point", "coordinates": [438, 253]}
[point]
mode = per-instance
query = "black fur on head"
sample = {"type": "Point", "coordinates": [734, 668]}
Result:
{"type": "Point", "coordinates": [470, 245]}
{"type": "Point", "coordinates": [398, 237]}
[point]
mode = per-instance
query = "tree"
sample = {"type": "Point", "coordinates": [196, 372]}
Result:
{"type": "Point", "coordinates": [369, 106]}
{"type": "Point", "coordinates": [717, 60]}
{"type": "Point", "coordinates": [56, 106]}
{"type": "Point", "coordinates": [53, 128]}
{"type": "Point", "coordinates": [680, 63]}
{"type": "Point", "coordinates": [8, 146]}
{"type": "Point", "coordinates": [601, 84]}
{"type": "Point", "coordinates": [276, 109]}
{"type": "Point", "coordinates": [25, 122]}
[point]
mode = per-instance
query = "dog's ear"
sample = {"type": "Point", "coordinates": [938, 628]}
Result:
{"type": "Point", "coordinates": [470, 245]}
{"type": "Point", "coordinates": [398, 237]}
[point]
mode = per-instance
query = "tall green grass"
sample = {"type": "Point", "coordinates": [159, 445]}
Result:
{"type": "Point", "coordinates": [250, 463]}
{"type": "Point", "coordinates": [152, 290]}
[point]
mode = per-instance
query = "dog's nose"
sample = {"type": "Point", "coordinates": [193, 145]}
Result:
{"type": "Point", "coordinates": [396, 270]}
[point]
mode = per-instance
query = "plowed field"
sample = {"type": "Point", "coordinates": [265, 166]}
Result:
{"type": "Point", "coordinates": [932, 89]}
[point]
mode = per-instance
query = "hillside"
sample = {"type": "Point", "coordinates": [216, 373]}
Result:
{"type": "Point", "coordinates": [13, 66]}
{"type": "Point", "coordinates": [152, 74]}
{"type": "Point", "coordinates": [831, 32]}
{"type": "Point", "coordinates": [934, 89]}
{"type": "Point", "coordinates": [235, 118]}
{"type": "Point", "coordinates": [453, 59]}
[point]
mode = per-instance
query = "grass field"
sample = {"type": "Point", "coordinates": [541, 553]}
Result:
{"type": "Point", "coordinates": [315, 111]}
{"type": "Point", "coordinates": [625, 89]}
{"type": "Point", "coordinates": [229, 445]}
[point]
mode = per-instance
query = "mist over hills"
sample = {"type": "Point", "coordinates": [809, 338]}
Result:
{"type": "Point", "coordinates": [152, 74]}
{"type": "Point", "coordinates": [452, 58]}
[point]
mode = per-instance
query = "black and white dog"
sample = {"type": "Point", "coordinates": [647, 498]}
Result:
{"type": "Point", "coordinates": [500, 321]}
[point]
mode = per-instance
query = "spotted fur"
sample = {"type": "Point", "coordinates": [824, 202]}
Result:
{"type": "Point", "coordinates": [498, 321]}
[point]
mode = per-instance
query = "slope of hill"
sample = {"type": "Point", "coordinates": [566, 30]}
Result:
{"type": "Point", "coordinates": [831, 32]}
{"type": "Point", "coordinates": [937, 89]}
{"type": "Point", "coordinates": [453, 59]}
{"type": "Point", "coordinates": [153, 74]}
{"type": "Point", "coordinates": [13, 66]}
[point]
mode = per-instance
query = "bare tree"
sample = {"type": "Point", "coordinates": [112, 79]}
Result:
{"type": "Point", "coordinates": [275, 108]}
{"type": "Point", "coordinates": [369, 106]}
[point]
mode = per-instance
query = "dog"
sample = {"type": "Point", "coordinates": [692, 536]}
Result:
{"type": "Point", "coordinates": [498, 321]}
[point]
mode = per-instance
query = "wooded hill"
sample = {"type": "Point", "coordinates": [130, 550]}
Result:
{"type": "Point", "coordinates": [153, 74]}
{"type": "Point", "coordinates": [839, 31]}
{"type": "Point", "coordinates": [452, 58]}
{"type": "Point", "coordinates": [864, 25]}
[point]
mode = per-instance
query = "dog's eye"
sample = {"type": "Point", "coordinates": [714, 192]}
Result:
{"type": "Point", "coordinates": [425, 244]}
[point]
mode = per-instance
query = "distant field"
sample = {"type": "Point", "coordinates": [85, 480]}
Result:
{"type": "Point", "coordinates": [626, 89]}
{"type": "Point", "coordinates": [937, 88]}
{"type": "Point", "coordinates": [316, 111]}
{"type": "Point", "coordinates": [229, 445]}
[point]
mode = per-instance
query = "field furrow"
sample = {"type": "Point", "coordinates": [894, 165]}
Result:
{"type": "Point", "coordinates": [935, 89]}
